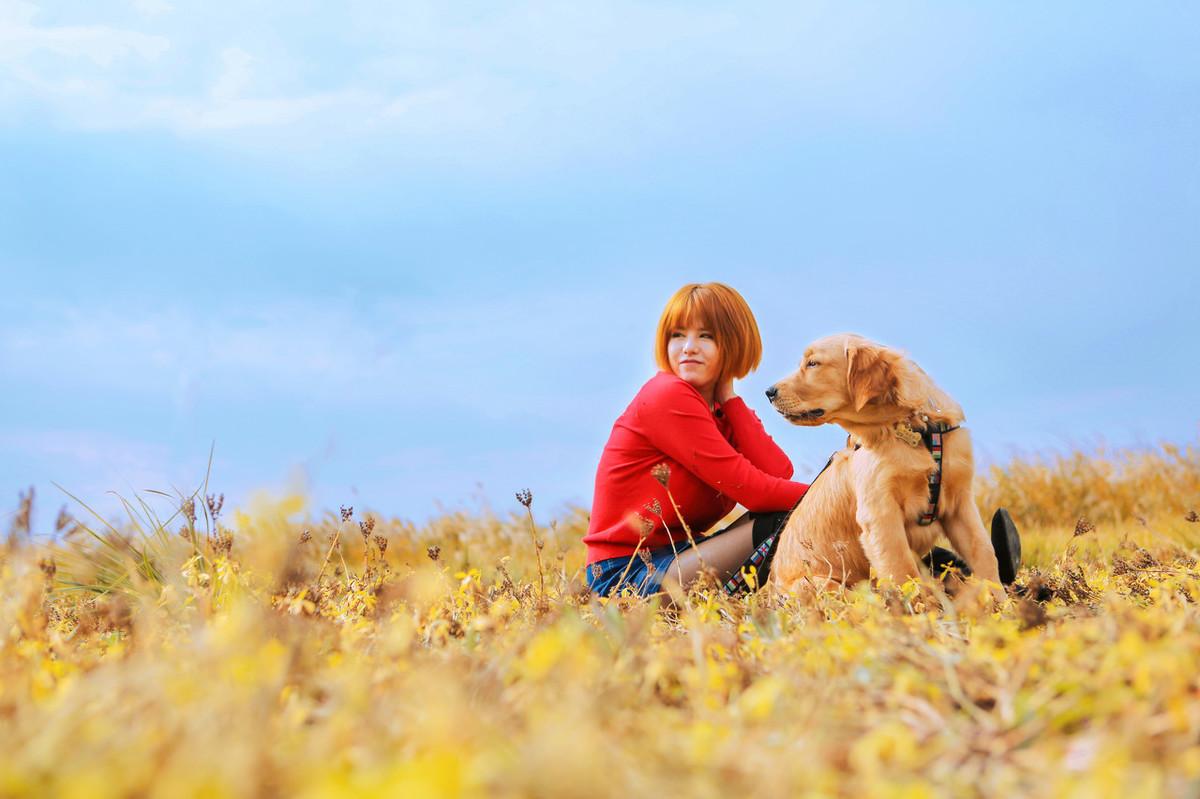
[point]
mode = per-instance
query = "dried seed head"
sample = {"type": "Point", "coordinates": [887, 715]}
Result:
{"type": "Point", "coordinates": [382, 543]}
{"type": "Point", "coordinates": [654, 507]}
{"type": "Point", "coordinates": [64, 519]}
{"type": "Point", "coordinates": [434, 552]}
{"type": "Point", "coordinates": [347, 512]}
{"type": "Point", "coordinates": [525, 497]}
{"type": "Point", "coordinates": [1192, 517]}
{"type": "Point", "coordinates": [662, 473]}
{"type": "Point", "coordinates": [640, 523]}
{"type": "Point", "coordinates": [48, 567]}
{"type": "Point", "coordinates": [188, 509]}
{"type": "Point", "coordinates": [644, 554]}
{"type": "Point", "coordinates": [306, 536]}
{"type": "Point", "coordinates": [366, 528]}
{"type": "Point", "coordinates": [215, 503]}
{"type": "Point", "coordinates": [597, 570]}
{"type": "Point", "coordinates": [1144, 560]}
{"type": "Point", "coordinates": [1082, 527]}
{"type": "Point", "coordinates": [21, 521]}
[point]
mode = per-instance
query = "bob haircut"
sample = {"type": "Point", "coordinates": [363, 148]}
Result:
{"type": "Point", "coordinates": [723, 312]}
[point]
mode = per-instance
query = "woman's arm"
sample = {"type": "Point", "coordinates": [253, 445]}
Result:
{"type": "Point", "coordinates": [749, 436]}
{"type": "Point", "coordinates": [751, 439]}
{"type": "Point", "coordinates": [674, 418]}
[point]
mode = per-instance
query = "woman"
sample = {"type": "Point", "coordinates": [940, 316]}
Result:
{"type": "Point", "coordinates": [716, 454]}
{"type": "Point", "coordinates": [687, 450]}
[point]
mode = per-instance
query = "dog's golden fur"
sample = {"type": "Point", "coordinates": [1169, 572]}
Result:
{"type": "Point", "coordinates": [861, 515]}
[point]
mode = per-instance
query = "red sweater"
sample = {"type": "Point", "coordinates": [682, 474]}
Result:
{"type": "Point", "coordinates": [718, 459]}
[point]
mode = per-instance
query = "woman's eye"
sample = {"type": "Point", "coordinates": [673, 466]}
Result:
{"type": "Point", "coordinates": [812, 364]}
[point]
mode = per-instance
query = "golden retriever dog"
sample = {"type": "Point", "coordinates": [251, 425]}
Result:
{"type": "Point", "coordinates": [862, 514]}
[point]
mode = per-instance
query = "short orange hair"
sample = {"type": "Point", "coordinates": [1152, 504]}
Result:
{"type": "Point", "coordinates": [724, 312]}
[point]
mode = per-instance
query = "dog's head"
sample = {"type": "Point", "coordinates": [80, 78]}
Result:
{"type": "Point", "coordinates": [846, 378]}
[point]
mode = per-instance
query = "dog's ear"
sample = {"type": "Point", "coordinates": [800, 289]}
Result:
{"type": "Point", "coordinates": [870, 374]}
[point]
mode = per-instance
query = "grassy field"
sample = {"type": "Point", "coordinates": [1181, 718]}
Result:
{"type": "Point", "coordinates": [199, 651]}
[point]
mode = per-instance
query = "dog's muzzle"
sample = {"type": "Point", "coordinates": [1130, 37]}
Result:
{"type": "Point", "coordinates": [802, 416]}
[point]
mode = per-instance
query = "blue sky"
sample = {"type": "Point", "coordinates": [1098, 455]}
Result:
{"type": "Point", "coordinates": [410, 256]}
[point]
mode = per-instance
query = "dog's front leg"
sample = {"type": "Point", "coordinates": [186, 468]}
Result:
{"type": "Point", "coordinates": [883, 538]}
{"type": "Point", "coordinates": [970, 539]}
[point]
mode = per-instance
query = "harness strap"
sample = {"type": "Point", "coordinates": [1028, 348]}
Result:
{"type": "Point", "coordinates": [932, 438]}
{"type": "Point", "coordinates": [765, 552]}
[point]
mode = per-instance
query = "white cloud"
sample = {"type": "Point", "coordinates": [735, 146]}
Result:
{"type": "Point", "coordinates": [215, 113]}
{"type": "Point", "coordinates": [235, 75]}
{"type": "Point", "coordinates": [96, 77]}
{"type": "Point", "coordinates": [527, 83]}
{"type": "Point", "coordinates": [495, 356]}
{"type": "Point", "coordinates": [153, 8]}
{"type": "Point", "coordinates": [100, 44]}
{"type": "Point", "coordinates": [88, 448]}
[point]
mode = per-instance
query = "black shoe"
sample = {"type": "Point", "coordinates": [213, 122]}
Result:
{"type": "Point", "coordinates": [1007, 545]}
{"type": "Point", "coordinates": [940, 561]}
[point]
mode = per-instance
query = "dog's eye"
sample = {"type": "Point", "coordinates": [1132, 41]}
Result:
{"type": "Point", "coordinates": [811, 365]}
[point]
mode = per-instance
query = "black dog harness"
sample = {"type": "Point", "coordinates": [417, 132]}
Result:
{"type": "Point", "coordinates": [931, 437]}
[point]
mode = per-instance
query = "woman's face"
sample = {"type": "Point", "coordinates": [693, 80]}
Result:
{"type": "Point", "coordinates": [693, 355]}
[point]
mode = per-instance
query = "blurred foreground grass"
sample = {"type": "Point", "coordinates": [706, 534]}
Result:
{"type": "Point", "coordinates": [263, 653]}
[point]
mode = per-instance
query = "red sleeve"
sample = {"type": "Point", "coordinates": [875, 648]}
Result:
{"type": "Point", "coordinates": [751, 439]}
{"type": "Point", "coordinates": [675, 419]}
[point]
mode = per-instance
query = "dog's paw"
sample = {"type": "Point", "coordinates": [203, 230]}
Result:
{"type": "Point", "coordinates": [978, 598]}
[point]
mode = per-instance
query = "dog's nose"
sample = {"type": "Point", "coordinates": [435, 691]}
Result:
{"type": "Point", "coordinates": [771, 392]}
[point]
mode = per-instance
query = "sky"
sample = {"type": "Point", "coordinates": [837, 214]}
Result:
{"type": "Point", "coordinates": [410, 256]}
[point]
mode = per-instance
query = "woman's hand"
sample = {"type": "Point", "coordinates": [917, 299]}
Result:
{"type": "Point", "coordinates": [724, 392]}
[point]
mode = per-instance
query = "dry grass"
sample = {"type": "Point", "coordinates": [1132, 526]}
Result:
{"type": "Point", "coordinates": [185, 657]}
{"type": "Point", "coordinates": [1105, 486]}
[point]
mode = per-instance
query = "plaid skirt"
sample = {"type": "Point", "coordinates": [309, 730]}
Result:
{"type": "Point", "coordinates": [644, 573]}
